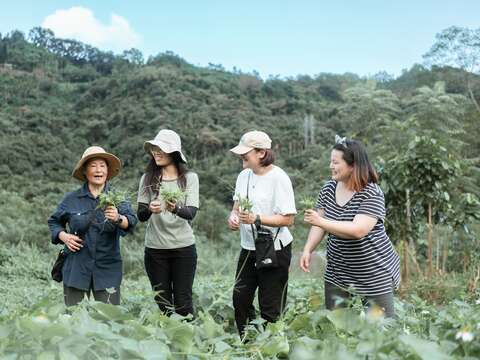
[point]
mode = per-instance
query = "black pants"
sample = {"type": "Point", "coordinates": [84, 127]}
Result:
{"type": "Point", "coordinates": [272, 288]}
{"type": "Point", "coordinates": [171, 273]}
{"type": "Point", "coordinates": [334, 296]}
{"type": "Point", "coordinates": [73, 296]}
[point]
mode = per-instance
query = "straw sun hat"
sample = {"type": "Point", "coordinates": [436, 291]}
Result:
{"type": "Point", "coordinates": [97, 152]}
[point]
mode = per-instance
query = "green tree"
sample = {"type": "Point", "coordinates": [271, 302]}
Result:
{"type": "Point", "coordinates": [365, 111]}
{"type": "Point", "coordinates": [41, 37]}
{"type": "Point", "coordinates": [459, 47]}
{"type": "Point", "coordinates": [133, 56]}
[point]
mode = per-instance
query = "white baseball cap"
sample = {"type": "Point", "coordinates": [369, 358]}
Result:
{"type": "Point", "coordinates": [252, 140]}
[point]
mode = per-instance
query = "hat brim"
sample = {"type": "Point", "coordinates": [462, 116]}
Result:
{"type": "Point", "coordinates": [166, 148]}
{"type": "Point", "coordinates": [114, 165]}
{"type": "Point", "coordinates": [241, 149]}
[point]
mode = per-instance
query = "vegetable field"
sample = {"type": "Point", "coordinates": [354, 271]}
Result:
{"type": "Point", "coordinates": [36, 325]}
{"type": "Point", "coordinates": [58, 96]}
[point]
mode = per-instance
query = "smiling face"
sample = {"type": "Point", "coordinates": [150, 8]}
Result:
{"type": "Point", "coordinates": [161, 158]}
{"type": "Point", "coordinates": [96, 171]}
{"type": "Point", "coordinates": [340, 169]}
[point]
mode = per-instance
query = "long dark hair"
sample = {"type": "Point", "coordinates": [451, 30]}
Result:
{"type": "Point", "coordinates": [355, 155]}
{"type": "Point", "coordinates": [153, 173]}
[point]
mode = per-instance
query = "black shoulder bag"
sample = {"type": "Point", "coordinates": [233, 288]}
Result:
{"type": "Point", "coordinates": [265, 255]}
{"type": "Point", "coordinates": [58, 266]}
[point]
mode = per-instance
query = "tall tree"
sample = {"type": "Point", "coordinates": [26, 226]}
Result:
{"type": "Point", "coordinates": [42, 37]}
{"type": "Point", "coordinates": [459, 47]}
{"type": "Point", "coordinates": [133, 56]}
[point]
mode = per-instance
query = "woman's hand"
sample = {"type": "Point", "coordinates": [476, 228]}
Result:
{"type": "Point", "coordinates": [234, 221]}
{"type": "Point", "coordinates": [246, 217]}
{"type": "Point", "coordinates": [73, 242]}
{"type": "Point", "coordinates": [305, 261]}
{"type": "Point", "coordinates": [155, 206]}
{"type": "Point", "coordinates": [111, 213]}
{"type": "Point", "coordinates": [312, 217]}
{"type": "Point", "coordinates": [171, 205]}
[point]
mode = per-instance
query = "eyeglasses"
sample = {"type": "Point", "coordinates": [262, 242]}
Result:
{"type": "Point", "coordinates": [156, 152]}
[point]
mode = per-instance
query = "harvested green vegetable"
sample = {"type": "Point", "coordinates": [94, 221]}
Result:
{"type": "Point", "coordinates": [177, 195]}
{"type": "Point", "coordinates": [111, 198]}
{"type": "Point", "coordinates": [307, 202]}
{"type": "Point", "coordinates": [244, 204]}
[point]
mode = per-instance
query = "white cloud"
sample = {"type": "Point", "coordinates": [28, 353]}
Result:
{"type": "Point", "coordinates": [79, 23]}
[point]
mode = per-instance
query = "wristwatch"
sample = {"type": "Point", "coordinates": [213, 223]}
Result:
{"type": "Point", "coordinates": [258, 221]}
{"type": "Point", "coordinates": [120, 220]}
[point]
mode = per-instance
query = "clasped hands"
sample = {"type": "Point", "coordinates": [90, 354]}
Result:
{"type": "Point", "coordinates": [156, 206]}
{"type": "Point", "coordinates": [240, 217]}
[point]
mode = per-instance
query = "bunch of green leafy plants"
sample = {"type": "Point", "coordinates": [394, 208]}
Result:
{"type": "Point", "coordinates": [244, 204]}
{"type": "Point", "coordinates": [176, 196]}
{"type": "Point", "coordinates": [307, 202]}
{"type": "Point", "coordinates": [111, 198]}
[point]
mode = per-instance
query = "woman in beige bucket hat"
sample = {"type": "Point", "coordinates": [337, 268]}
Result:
{"type": "Point", "coordinates": [91, 236]}
{"type": "Point", "coordinates": [170, 252]}
{"type": "Point", "coordinates": [270, 191]}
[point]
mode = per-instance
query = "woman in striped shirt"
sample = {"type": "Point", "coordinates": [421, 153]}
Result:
{"type": "Point", "coordinates": [351, 209]}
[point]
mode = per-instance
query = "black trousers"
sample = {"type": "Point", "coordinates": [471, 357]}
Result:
{"type": "Point", "coordinates": [272, 288]}
{"type": "Point", "coordinates": [334, 296]}
{"type": "Point", "coordinates": [73, 296]}
{"type": "Point", "coordinates": [171, 273]}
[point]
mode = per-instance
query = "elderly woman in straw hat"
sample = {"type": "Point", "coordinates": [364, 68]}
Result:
{"type": "Point", "coordinates": [91, 235]}
{"type": "Point", "coordinates": [170, 252]}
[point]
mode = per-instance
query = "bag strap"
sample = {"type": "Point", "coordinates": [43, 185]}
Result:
{"type": "Point", "coordinates": [248, 185]}
{"type": "Point", "coordinates": [258, 227]}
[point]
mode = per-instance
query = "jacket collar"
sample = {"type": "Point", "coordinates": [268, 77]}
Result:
{"type": "Point", "coordinates": [84, 191]}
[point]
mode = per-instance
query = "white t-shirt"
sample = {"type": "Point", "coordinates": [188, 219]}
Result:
{"type": "Point", "coordinates": [270, 194]}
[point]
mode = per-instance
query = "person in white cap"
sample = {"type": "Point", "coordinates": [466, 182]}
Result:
{"type": "Point", "coordinates": [270, 191]}
{"type": "Point", "coordinates": [91, 235]}
{"type": "Point", "coordinates": [170, 252]}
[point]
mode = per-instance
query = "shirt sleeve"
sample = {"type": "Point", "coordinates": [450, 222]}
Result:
{"type": "Point", "coordinates": [237, 192]}
{"type": "Point", "coordinates": [58, 220]}
{"type": "Point", "coordinates": [187, 212]}
{"type": "Point", "coordinates": [143, 193]}
{"type": "Point", "coordinates": [192, 191]}
{"type": "Point", "coordinates": [320, 204]}
{"type": "Point", "coordinates": [125, 209]}
{"type": "Point", "coordinates": [373, 205]}
{"type": "Point", "coordinates": [284, 203]}
{"type": "Point", "coordinates": [143, 212]}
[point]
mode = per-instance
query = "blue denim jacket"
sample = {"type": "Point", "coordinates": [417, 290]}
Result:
{"type": "Point", "coordinates": [99, 259]}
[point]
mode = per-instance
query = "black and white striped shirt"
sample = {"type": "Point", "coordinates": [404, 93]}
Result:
{"type": "Point", "coordinates": [369, 266]}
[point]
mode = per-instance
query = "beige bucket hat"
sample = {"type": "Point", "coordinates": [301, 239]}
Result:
{"type": "Point", "coordinates": [252, 140]}
{"type": "Point", "coordinates": [97, 152]}
{"type": "Point", "coordinates": [168, 141]}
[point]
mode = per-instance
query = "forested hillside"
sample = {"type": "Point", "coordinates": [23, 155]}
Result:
{"type": "Point", "coordinates": [422, 130]}
{"type": "Point", "coordinates": [59, 96]}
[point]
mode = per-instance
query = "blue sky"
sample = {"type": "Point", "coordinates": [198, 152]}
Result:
{"type": "Point", "coordinates": [279, 37]}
